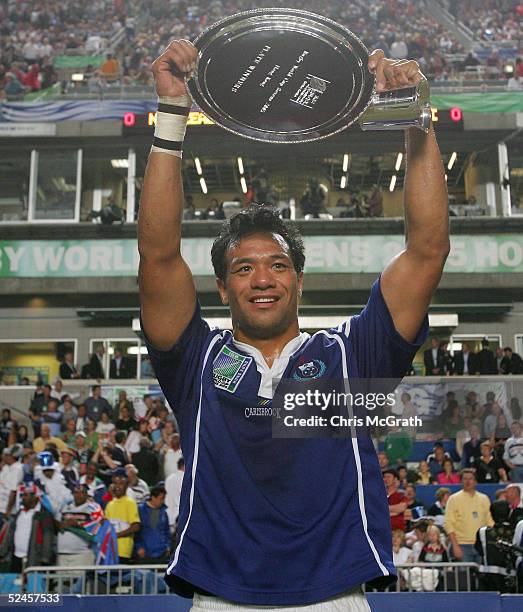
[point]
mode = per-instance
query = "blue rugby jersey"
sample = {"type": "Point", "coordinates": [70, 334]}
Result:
{"type": "Point", "coordinates": [268, 521]}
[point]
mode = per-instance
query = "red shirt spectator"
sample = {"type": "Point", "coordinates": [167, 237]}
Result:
{"type": "Point", "coordinates": [396, 498]}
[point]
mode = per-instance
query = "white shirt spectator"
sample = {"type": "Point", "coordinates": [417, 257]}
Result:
{"type": "Point", "coordinates": [10, 477]}
{"type": "Point", "coordinates": [24, 524]}
{"type": "Point", "coordinates": [404, 555]}
{"type": "Point", "coordinates": [514, 451]}
{"type": "Point", "coordinates": [173, 488]}
{"type": "Point", "coordinates": [398, 50]}
{"type": "Point", "coordinates": [139, 491]}
{"type": "Point", "coordinates": [54, 487]}
{"type": "Point", "coordinates": [170, 462]}
{"type": "Point", "coordinates": [104, 428]}
{"type": "Point", "coordinates": [30, 51]}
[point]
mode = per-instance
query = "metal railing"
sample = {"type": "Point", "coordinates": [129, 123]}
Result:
{"type": "Point", "coordinates": [148, 579]}
{"type": "Point", "coordinates": [96, 580]}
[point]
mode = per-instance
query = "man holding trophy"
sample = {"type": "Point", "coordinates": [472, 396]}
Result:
{"type": "Point", "coordinates": [286, 523]}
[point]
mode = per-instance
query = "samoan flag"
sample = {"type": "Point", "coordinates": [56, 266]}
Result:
{"type": "Point", "coordinates": [106, 544]}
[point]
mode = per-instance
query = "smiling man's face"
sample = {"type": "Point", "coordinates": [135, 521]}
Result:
{"type": "Point", "coordinates": [262, 288]}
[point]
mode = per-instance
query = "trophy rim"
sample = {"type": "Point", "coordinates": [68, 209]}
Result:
{"type": "Point", "coordinates": [193, 88]}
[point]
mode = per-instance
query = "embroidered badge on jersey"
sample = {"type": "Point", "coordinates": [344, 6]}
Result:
{"type": "Point", "coordinates": [229, 368]}
{"type": "Point", "coordinates": [310, 370]}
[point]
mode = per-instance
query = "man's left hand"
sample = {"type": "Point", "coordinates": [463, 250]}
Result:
{"type": "Point", "coordinates": [393, 74]}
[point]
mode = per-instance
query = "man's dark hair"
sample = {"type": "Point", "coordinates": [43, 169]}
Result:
{"type": "Point", "coordinates": [120, 436]}
{"type": "Point", "coordinates": [94, 387]}
{"type": "Point", "coordinates": [500, 511]}
{"type": "Point", "coordinates": [158, 490]}
{"type": "Point", "coordinates": [256, 218]}
{"type": "Point", "coordinates": [507, 348]}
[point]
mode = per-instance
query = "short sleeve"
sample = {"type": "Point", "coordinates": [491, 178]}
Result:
{"type": "Point", "coordinates": [177, 368]}
{"type": "Point", "coordinates": [375, 347]}
{"type": "Point", "coordinates": [134, 515]}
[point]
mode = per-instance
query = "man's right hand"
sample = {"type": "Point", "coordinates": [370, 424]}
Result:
{"type": "Point", "coordinates": [458, 552]}
{"type": "Point", "coordinates": [169, 69]}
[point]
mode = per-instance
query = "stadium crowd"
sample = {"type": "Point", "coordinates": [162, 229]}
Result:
{"type": "Point", "coordinates": [90, 467]}
{"type": "Point", "coordinates": [489, 20]}
{"type": "Point", "coordinates": [33, 35]}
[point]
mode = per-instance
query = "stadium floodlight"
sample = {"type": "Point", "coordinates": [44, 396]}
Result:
{"type": "Point", "coordinates": [203, 185]}
{"type": "Point", "coordinates": [345, 162]}
{"type": "Point", "coordinates": [392, 183]}
{"type": "Point", "coordinates": [399, 159]}
{"type": "Point", "coordinates": [120, 163]}
{"type": "Point", "coordinates": [240, 166]}
{"type": "Point", "coordinates": [244, 184]}
{"type": "Point", "coordinates": [452, 160]}
{"type": "Point", "coordinates": [198, 166]}
{"type": "Point", "coordinates": [77, 77]}
{"type": "Point", "coordinates": [343, 182]}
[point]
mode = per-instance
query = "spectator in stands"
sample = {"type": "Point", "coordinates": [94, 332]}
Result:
{"type": "Point", "coordinates": [125, 422]}
{"type": "Point", "coordinates": [52, 417]}
{"type": "Point", "coordinates": [515, 409]}
{"type": "Point", "coordinates": [173, 453]}
{"type": "Point", "coordinates": [37, 405]}
{"type": "Point", "coordinates": [132, 444]}
{"type": "Point", "coordinates": [433, 358]}
{"type": "Point", "coordinates": [67, 368]}
{"type": "Point", "coordinates": [30, 537]}
{"type": "Point", "coordinates": [122, 512]}
{"type": "Point", "coordinates": [492, 410]}
{"type": "Point", "coordinates": [437, 510]}
{"type": "Point", "coordinates": [48, 475]}
{"type": "Point", "coordinates": [68, 411]}
{"type": "Point", "coordinates": [121, 402]}
{"type": "Point", "coordinates": [448, 475]}
{"type": "Point", "coordinates": [153, 541]}
{"type": "Point", "coordinates": [512, 362]}
{"type": "Point", "coordinates": [502, 431]}
{"type": "Point", "coordinates": [486, 359]}
{"type": "Point", "coordinates": [435, 459]}
{"type": "Point", "coordinates": [401, 554]}
{"type": "Point", "coordinates": [488, 468]}
{"type": "Point", "coordinates": [137, 488]}
{"type": "Point", "coordinates": [95, 368]}
{"type": "Point", "coordinates": [110, 69]}
{"type": "Point", "coordinates": [104, 426]}
{"type": "Point", "coordinates": [493, 568]}
{"type": "Point", "coordinates": [424, 474]}
{"type": "Point", "coordinates": [13, 89]}
{"type": "Point", "coordinates": [84, 453]}
{"type": "Point", "coordinates": [471, 449]}
{"type": "Point", "coordinates": [49, 77]}
{"type": "Point", "coordinates": [415, 508]}
{"type": "Point", "coordinates": [11, 476]}
{"type": "Point", "coordinates": [81, 418]}
{"type": "Point", "coordinates": [454, 422]}
{"type": "Point", "coordinates": [513, 454]}
{"type": "Point", "coordinates": [40, 443]}
{"type": "Point", "coordinates": [73, 544]}
{"type": "Point", "coordinates": [467, 511]}
{"type": "Point", "coordinates": [96, 404]}
{"type": "Point", "coordinates": [146, 368]}
{"type": "Point", "coordinates": [383, 460]}
{"type": "Point", "coordinates": [120, 366]}
{"type": "Point", "coordinates": [91, 435]}
{"type": "Point", "coordinates": [417, 537]}
{"type": "Point", "coordinates": [95, 486]}
{"type": "Point", "coordinates": [396, 499]}
{"type": "Point", "coordinates": [173, 487]}
{"type": "Point", "coordinates": [434, 550]}
{"type": "Point", "coordinates": [465, 361]}
{"type": "Point", "coordinates": [447, 358]}
{"type": "Point", "coordinates": [118, 452]}
{"type": "Point", "coordinates": [22, 435]}
{"type": "Point", "coordinates": [147, 462]}
{"type": "Point", "coordinates": [69, 470]}
{"type": "Point", "coordinates": [7, 426]}
{"type": "Point", "coordinates": [513, 498]}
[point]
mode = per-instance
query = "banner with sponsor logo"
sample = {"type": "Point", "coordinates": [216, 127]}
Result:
{"type": "Point", "coordinates": [325, 255]}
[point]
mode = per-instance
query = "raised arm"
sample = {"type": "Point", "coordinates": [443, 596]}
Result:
{"type": "Point", "coordinates": [167, 292]}
{"type": "Point", "coordinates": [410, 279]}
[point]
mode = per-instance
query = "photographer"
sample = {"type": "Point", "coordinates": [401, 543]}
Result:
{"type": "Point", "coordinates": [494, 560]}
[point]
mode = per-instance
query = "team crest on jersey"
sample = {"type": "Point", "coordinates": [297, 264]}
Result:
{"type": "Point", "coordinates": [229, 368]}
{"type": "Point", "coordinates": [315, 368]}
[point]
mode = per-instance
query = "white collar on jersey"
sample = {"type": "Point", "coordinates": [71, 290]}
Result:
{"type": "Point", "coordinates": [278, 365]}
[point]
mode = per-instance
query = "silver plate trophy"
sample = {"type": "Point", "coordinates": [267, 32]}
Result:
{"type": "Point", "coordinates": [286, 76]}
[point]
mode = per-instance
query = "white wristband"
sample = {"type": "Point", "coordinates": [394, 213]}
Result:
{"type": "Point", "coordinates": [171, 122]}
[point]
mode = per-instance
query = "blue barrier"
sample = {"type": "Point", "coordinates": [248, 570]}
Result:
{"type": "Point", "coordinates": [379, 602]}
{"type": "Point", "coordinates": [427, 493]}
